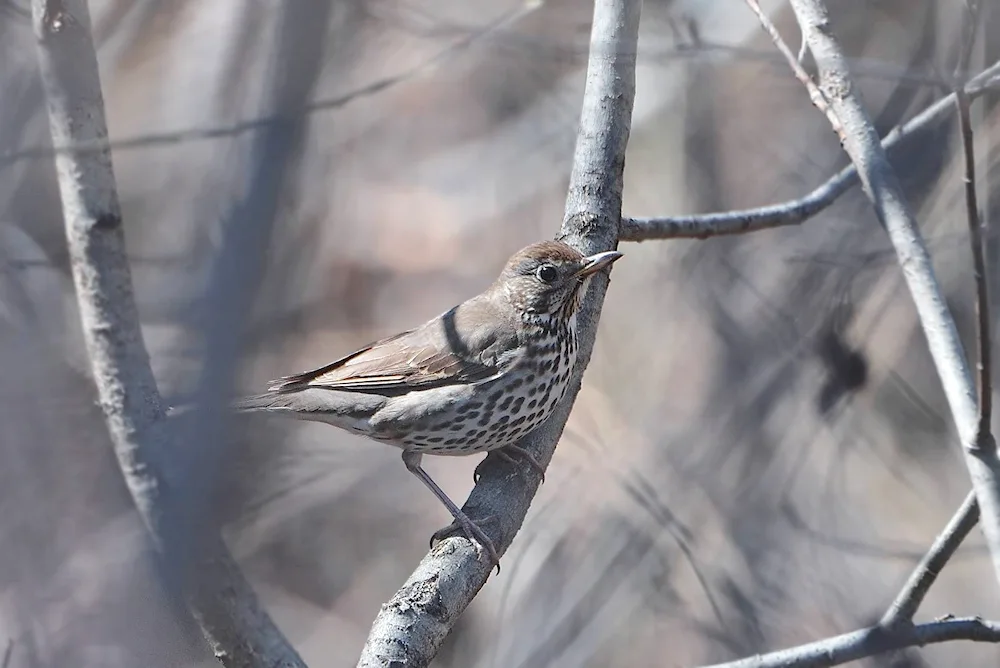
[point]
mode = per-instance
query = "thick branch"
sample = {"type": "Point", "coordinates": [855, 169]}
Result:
{"type": "Point", "coordinates": [799, 210]}
{"type": "Point", "coordinates": [871, 641]}
{"type": "Point", "coordinates": [411, 626]}
{"type": "Point", "coordinates": [128, 394]}
{"type": "Point", "coordinates": [883, 189]}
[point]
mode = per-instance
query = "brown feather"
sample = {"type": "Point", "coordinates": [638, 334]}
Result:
{"type": "Point", "coordinates": [431, 355]}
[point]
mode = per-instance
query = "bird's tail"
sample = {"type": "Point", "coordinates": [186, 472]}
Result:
{"type": "Point", "coordinates": [261, 402]}
{"type": "Point", "coordinates": [257, 402]}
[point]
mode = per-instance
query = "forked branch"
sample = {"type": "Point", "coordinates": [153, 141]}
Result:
{"type": "Point", "coordinates": [871, 641]}
{"type": "Point", "coordinates": [796, 211]}
{"type": "Point", "coordinates": [880, 183]}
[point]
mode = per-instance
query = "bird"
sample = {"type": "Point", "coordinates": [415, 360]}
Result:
{"type": "Point", "coordinates": [474, 379]}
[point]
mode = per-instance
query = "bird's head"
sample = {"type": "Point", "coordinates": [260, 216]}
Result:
{"type": "Point", "coordinates": [550, 277]}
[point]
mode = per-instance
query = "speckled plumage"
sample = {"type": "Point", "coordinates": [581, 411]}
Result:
{"type": "Point", "coordinates": [475, 379]}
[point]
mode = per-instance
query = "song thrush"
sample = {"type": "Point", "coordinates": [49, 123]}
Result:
{"type": "Point", "coordinates": [474, 379]}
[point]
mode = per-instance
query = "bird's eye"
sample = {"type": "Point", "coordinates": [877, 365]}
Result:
{"type": "Point", "coordinates": [547, 273]}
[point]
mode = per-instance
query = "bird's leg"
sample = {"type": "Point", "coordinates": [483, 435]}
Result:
{"type": "Point", "coordinates": [507, 453]}
{"type": "Point", "coordinates": [469, 528]}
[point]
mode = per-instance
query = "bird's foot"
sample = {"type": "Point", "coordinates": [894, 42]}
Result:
{"type": "Point", "coordinates": [470, 530]}
{"type": "Point", "coordinates": [507, 453]}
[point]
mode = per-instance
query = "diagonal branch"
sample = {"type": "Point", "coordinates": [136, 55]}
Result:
{"type": "Point", "coordinates": [816, 95]}
{"type": "Point", "coordinates": [799, 210]}
{"type": "Point", "coordinates": [871, 641]}
{"type": "Point", "coordinates": [882, 187]}
{"type": "Point", "coordinates": [411, 626]}
{"type": "Point", "coordinates": [239, 631]}
{"type": "Point", "coordinates": [908, 600]}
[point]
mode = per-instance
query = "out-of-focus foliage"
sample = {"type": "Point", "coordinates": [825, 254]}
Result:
{"type": "Point", "coordinates": [761, 450]}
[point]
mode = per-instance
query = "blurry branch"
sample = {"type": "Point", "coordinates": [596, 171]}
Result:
{"type": "Point", "coordinates": [799, 210]}
{"type": "Point", "coordinates": [299, 49]}
{"type": "Point", "coordinates": [411, 626]}
{"type": "Point", "coordinates": [242, 634]}
{"type": "Point", "coordinates": [970, 24]}
{"type": "Point", "coordinates": [905, 605]}
{"type": "Point", "coordinates": [693, 49]}
{"type": "Point", "coordinates": [10, 7]}
{"type": "Point", "coordinates": [871, 641]}
{"type": "Point", "coordinates": [289, 115]}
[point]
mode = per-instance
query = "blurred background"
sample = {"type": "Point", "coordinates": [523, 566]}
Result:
{"type": "Point", "coordinates": [761, 451]}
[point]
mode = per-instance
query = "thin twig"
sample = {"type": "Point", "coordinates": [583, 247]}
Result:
{"type": "Point", "coordinates": [870, 642]}
{"type": "Point", "coordinates": [970, 24]}
{"type": "Point", "coordinates": [815, 94]}
{"type": "Point", "coordinates": [412, 625]}
{"type": "Point", "coordinates": [883, 189]}
{"type": "Point", "coordinates": [240, 632]}
{"type": "Point", "coordinates": [908, 600]}
{"type": "Point", "coordinates": [796, 211]}
{"type": "Point", "coordinates": [984, 339]}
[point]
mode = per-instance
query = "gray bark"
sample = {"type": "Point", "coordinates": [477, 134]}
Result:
{"type": "Point", "coordinates": [411, 626]}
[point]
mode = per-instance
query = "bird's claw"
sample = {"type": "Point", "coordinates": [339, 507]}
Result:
{"type": "Point", "coordinates": [470, 530]}
{"type": "Point", "coordinates": [507, 453]}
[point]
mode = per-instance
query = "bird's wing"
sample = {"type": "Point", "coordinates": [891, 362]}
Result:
{"type": "Point", "coordinates": [432, 355]}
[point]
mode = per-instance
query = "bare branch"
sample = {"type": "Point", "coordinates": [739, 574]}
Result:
{"type": "Point", "coordinates": [239, 631]}
{"type": "Point", "coordinates": [882, 187]}
{"type": "Point", "coordinates": [902, 609]}
{"type": "Point", "coordinates": [815, 94]}
{"type": "Point", "coordinates": [871, 641]}
{"type": "Point", "coordinates": [409, 628]}
{"type": "Point", "coordinates": [799, 210]}
{"type": "Point", "coordinates": [970, 24]}
{"type": "Point", "coordinates": [895, 630]}
{"type": "Point", "coordinates": [984, 339]}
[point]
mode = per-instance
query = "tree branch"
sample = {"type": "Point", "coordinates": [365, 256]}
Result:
{"type": "Point", "coordinates": [239, 631]}
{"type": "Point", "coordinates": [897, 621]}
{"type": "Point", "coordinates": [871, 641]}
{"type": "Point", "coordinates": [984, 438]}
{"type": "Point", "coordinates": [816, 96]}
{"type": "Point", "coordinates": [410, 627]}
{"type": "Point", "coordinates": [908, 600]}
{"type": "Point", "coordinates": [882, 187]}
{"type": "Point", "coordinates": [970, 24]}
{"type": "Point", "coordinates": [799, 210]}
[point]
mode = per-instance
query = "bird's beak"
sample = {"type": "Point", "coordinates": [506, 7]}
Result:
{"type": "Point", "coordinates": [596, 262]}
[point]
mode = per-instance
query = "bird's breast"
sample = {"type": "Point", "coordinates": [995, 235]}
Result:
{"type": "Point", "coordinates": [500, 411]}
